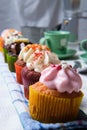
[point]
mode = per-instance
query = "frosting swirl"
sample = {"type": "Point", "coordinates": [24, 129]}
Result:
{"type": "Point", "coordinates": [37, 57]}
{"type": "Point", "coordinates": [39, 60]}
{"type": "Point", "coordinates": [61, 77]}
{"type": "Point", "coordinates": [30, 49]}
{"type": "Point", "coordinates": [10, 35]}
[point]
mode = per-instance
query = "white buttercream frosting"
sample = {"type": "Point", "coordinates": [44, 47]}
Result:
{"type": "Point", "coordinates": [39, 60]}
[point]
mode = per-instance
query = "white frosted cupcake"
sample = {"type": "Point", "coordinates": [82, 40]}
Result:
{"type": "Point", "coordinates": [23, 57]}
{"type": "Point", "coordinates": [36, 63]}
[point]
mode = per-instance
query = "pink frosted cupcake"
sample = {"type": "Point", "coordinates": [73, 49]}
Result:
{"type": "Point", "coordinates": [57, 96]}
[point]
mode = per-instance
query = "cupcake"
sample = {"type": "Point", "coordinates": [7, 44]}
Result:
{"type": "Point", "coordinates": [23, 57]}
{"type": "Point", "coordinates": [1, 44]}
{"type": "Point", "coordinates": [57, 96]}
{"type": "Point", "coordinates": [9, 35]}
{"type": "Point", "coordinates": [13, 51]}
{"type": "Point", "coordinates": [5, 33]}
{"type": "Point", "coordinates": [37, 62]}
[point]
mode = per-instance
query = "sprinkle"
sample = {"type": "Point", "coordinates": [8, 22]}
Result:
{"type": "Point", "coordinates": [59, 67]}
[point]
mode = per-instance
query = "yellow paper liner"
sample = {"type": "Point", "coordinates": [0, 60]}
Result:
{"type": "Point", "coordinates": [50, 109]}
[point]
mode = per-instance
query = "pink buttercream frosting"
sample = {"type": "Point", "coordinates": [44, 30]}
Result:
{"type": "Point", "coordinates": [62, 78]}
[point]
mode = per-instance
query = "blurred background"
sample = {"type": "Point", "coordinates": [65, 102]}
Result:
{"type": "Point", "coordinates": [74, 17]}
{"type": "Point", "coordinates": [77, 25]}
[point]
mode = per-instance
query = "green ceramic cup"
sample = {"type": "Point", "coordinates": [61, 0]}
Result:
{"type": "Point", "coordinates": [83, 45]}
{"type": "Point", "coordinates": [57, 41]}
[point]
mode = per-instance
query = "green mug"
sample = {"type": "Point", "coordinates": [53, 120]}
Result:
{"type": "Point", "coordinates": [57, 41]}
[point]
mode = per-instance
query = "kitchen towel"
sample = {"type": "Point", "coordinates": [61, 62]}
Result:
{"type": "Point", "coordinates": [22, 108]}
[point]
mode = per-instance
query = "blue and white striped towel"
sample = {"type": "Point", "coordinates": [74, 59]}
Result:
{"type": "Point", "coordinates": [21, 105]}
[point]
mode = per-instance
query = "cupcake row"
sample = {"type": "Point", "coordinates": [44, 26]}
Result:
{"type": "Point", "coordinates": [31, 61]}
{"type": "Point", "coordinates": [13, 42]}
{"type": "Point", "coordinates": [52, 87]}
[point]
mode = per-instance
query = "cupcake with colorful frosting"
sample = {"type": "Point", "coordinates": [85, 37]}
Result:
{"type": "Point", "coordinates": [9, 35]}
{"type": "Point", "coordinates": [14, 42]}
{"type": "Point", "coordinates": [24, 56]}
{"type": "Point", "coordinates": [57, 96]}
{"type": "Point", "coordinates": [36, 63]}
{"type": "Point", "coordinates": [13, 51]}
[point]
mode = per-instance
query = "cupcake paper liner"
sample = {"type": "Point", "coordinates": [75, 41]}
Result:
{"type": "Point", "coordinates": [26, 90]}
{"type": "Point", "coordinates": [1, 44]}
{"type": "Point", "coordinates": [11, 60]}
{"type": "Point", "coordinates": [18, 70]}
{"type": "Point", "coordinates": [29, 77]}
{"type": "Point", "coordinates": [50, 109]}
{"type": "Point", "coordinates": [5, 51]}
